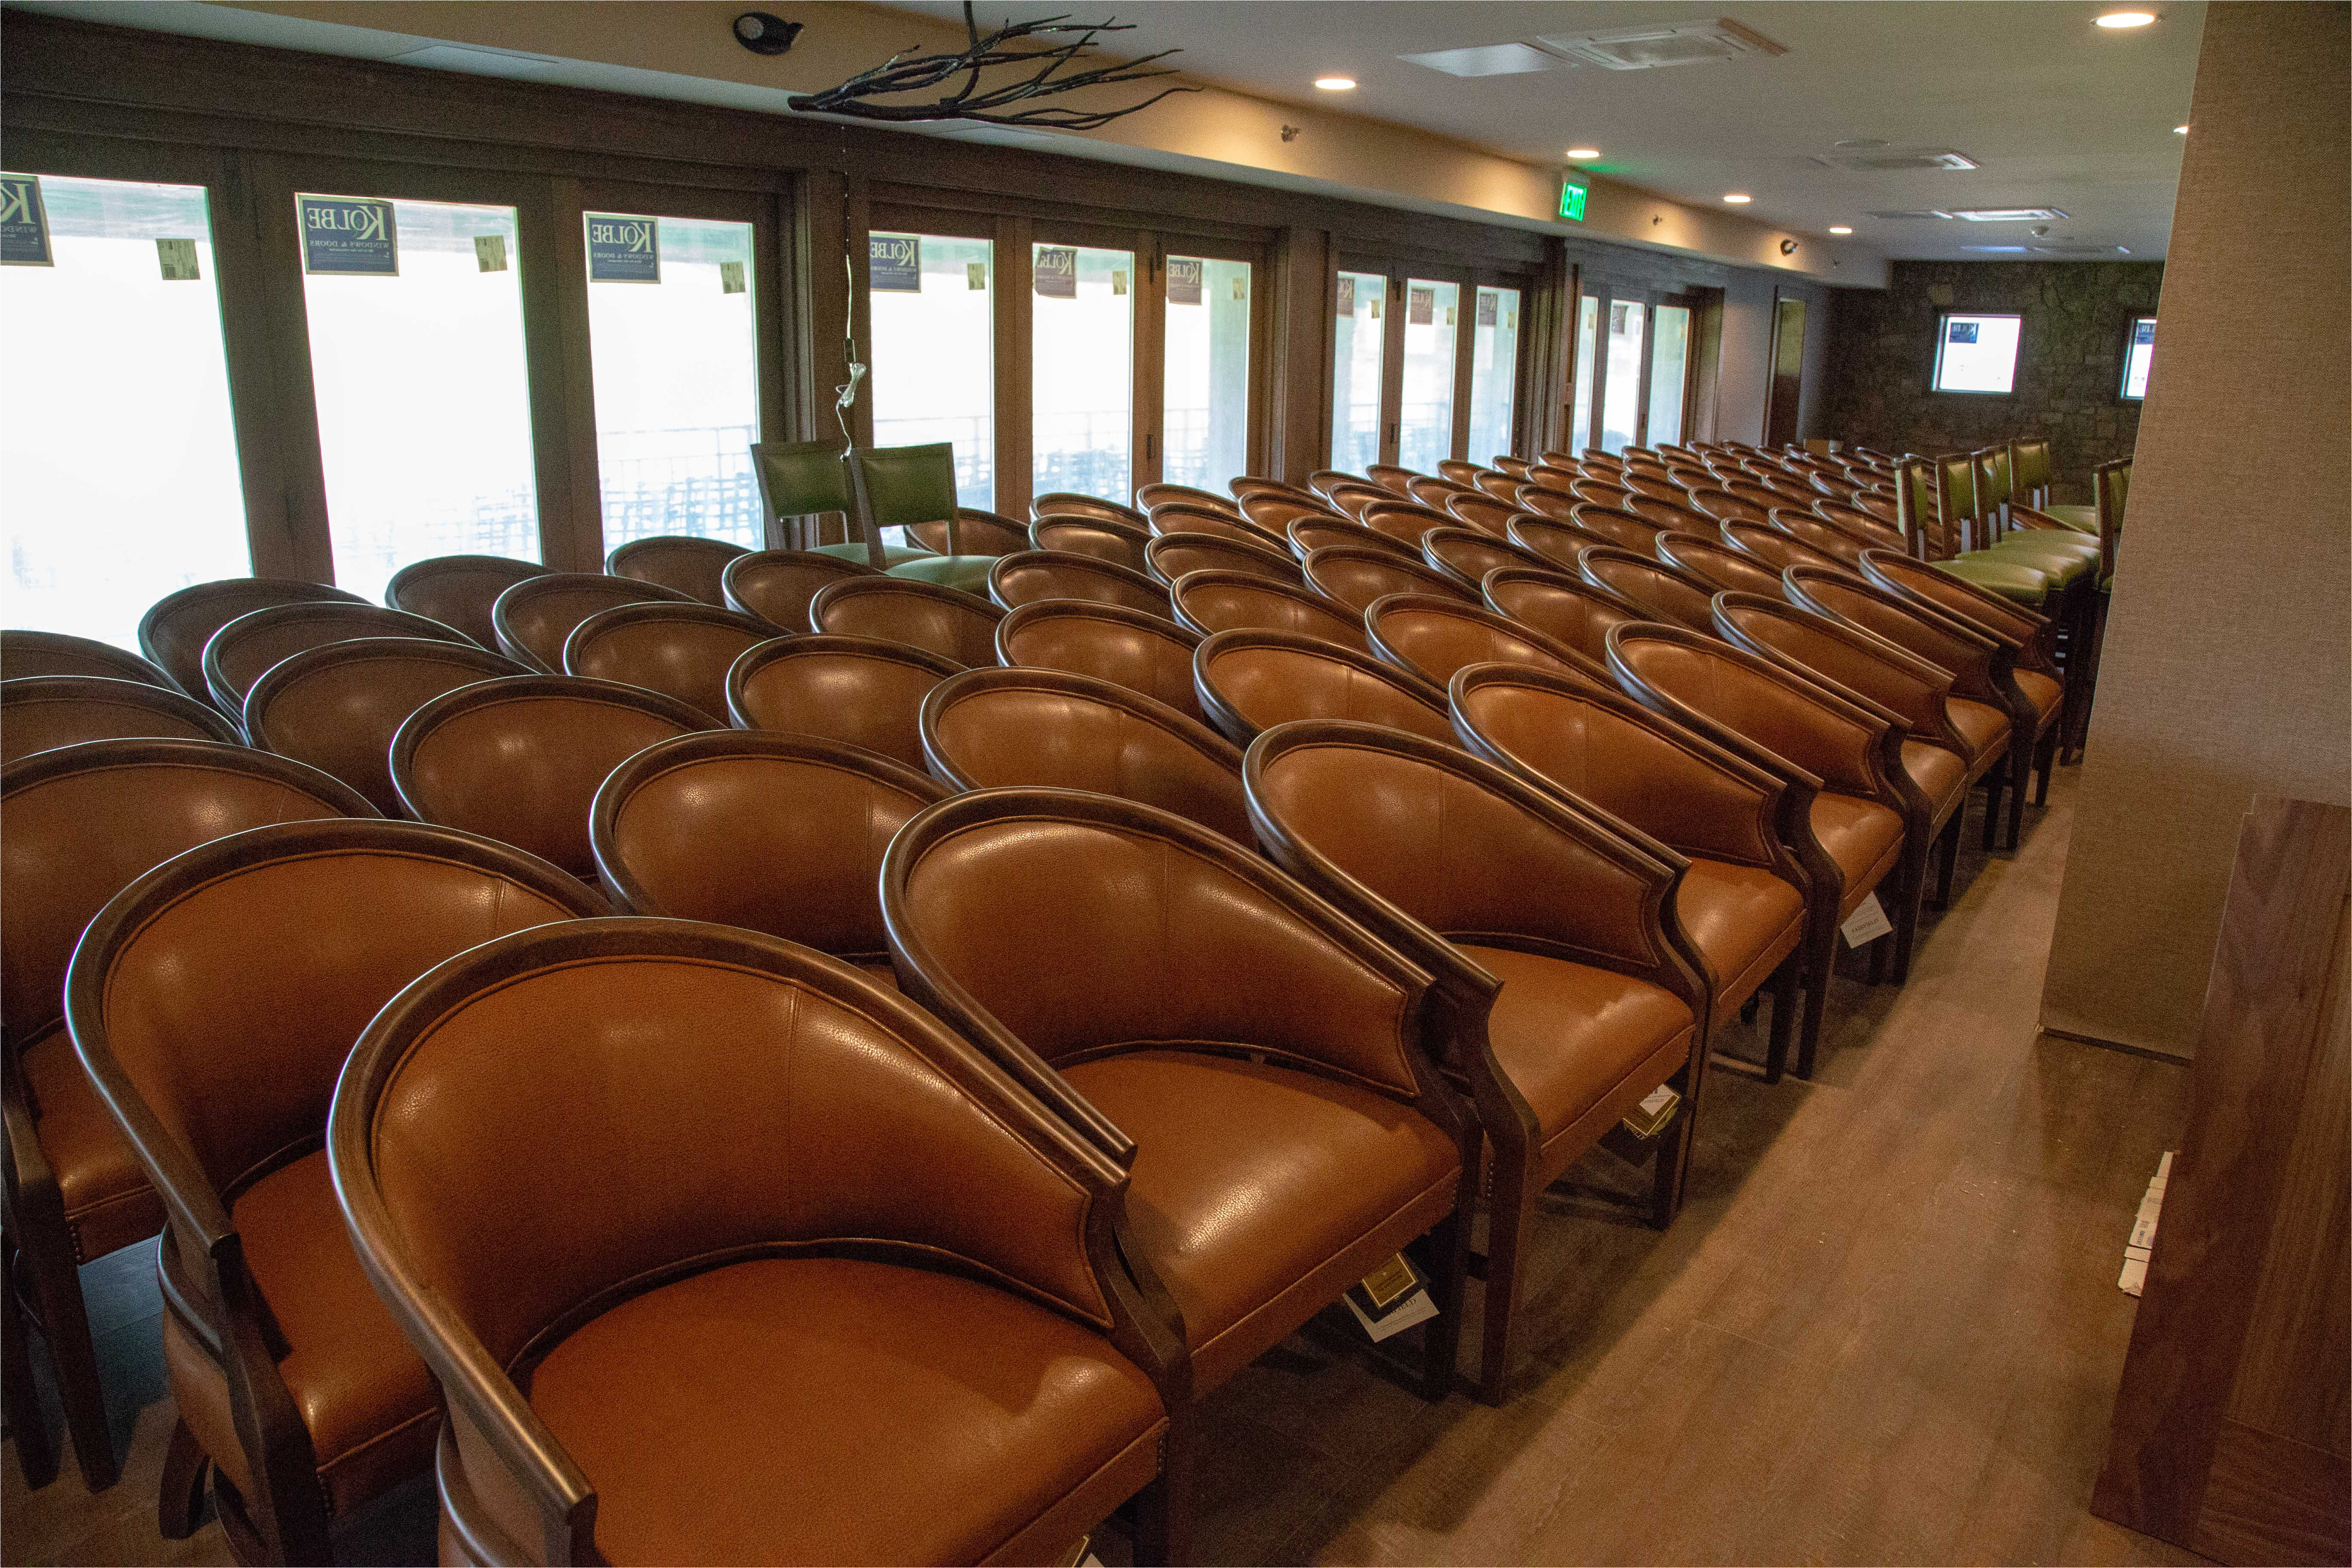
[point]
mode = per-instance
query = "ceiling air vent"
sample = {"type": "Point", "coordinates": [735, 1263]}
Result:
{"type": "Point", "coordinates": [1925, 212]}
{"type": "Point", "coordinates": [1489, 59]}
{"type": "Point", "coordinates": [2009, 214]}
{"type": "Point", "coordinates": [1897, 162]}
{"type": "Point", "coordinates": [1646, 49]}
{"type": "Point", "coordinates": [2081, 249]}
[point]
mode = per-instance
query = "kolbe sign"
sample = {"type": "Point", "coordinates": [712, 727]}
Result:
{"type": "Point", "coordinates": [893, 263]}
{"type": "Point", "coordinates": [1057, 272]}
{"type": "Point", "coordinates": [352, 235]}
{"type": "Point", "coordinates": [23, 221]}
{"type": "Point", "coordinates": [1184, 279]}
{"type": "Point", "coordinates": [622, 250]}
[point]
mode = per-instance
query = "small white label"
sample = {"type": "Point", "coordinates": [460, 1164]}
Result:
{"type": "Point", "coordinates": [1657, 1100]}
{"type": "Point", "coordinates": [1240, 288]}
{"type": "Point", "coordinates": [1867, 924]}
{"type": "Point", "coordinates": [490, 252]}
{"type": "Point", "coordinates": [731, 278]}
{"type": "Point", "coordinates": [2164, 1168]}
{"type": "Point", "coordinates": [1416, 1308]}
{"type": "Point", "coordinates": [178, 259]}
{"type": "Point", "coordinates": [2134, 1277]}
{"type": "Point", "coordinates": [2143, 1231]}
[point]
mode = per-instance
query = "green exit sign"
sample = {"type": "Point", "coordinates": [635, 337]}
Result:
{"type": "Point", "coordinates": [1571, 198]}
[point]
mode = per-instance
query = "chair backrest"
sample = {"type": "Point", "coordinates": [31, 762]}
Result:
{"type": "Point", "coordinates": [519, 758]}
{"type": "Point", "coordinates": [1350, 499]}
{"type": "Point", "coordinates": [175, 628]}
{"type": "Point", "coordinates": [1105, 539]}
{"type": "Point", "coordinates": [1274, 513]}
{"type": "Point", "coordinates": [1515, 466]}
{"type": "Point", "coordinates": [1994, 482]}
{"type": "Point", "coordinates": [1212, 602]}
{"type": "Point", "coordinates": [1923, 630]}
{"type": "Point", "coordinates": [1807, 528]}
{"type": "Point", "coordinates": [679, 650]}
{"type": "Point", "coordinates": [214, 1001]}
{"type": "Point", "coordinates": [1170, 556]}
{"type": "Point", "coordinates": [42, 712]}
{"type": "Point", "coordinates": [1431, 489]}
{"type": "Point", "coordinates": [1858, 666]}
{"type": "Point", "coordinates": [1460, 471]}
{"type": "Point", "coordinates": [2111, 488]}
{"type": "Point", "coordinates": [1957, 510]}
{"type": "Point", "coordinates": [1547, 500]}
{"type": "Point", "coordinates": [1482, 511]}
{"type": "Point", "coordinates": [1774, 548]}
{"type": "Point", "coordinates": [1430, 638]}
{"type": "Point", "coordinates": [1667, 514]}
{"type": "Point", "coordinates": [989, 728]}
{"type": "Point", "coordinates": [1035, 576]}
{"type": "Point", "coordinates": [1916, 582]}
{"type": "Point", "coordinates": [1177, 517]}
{"type": "Point", "coordinates": [1073, 503]}
{"type": "Point", "coordinates": [1250, 681]}
{"type": "Point", "coordinates": [1389, 477]}
{"type": "Point", "coordinates": [479, 1162]}
{"type": "Point", "coordinates": [2029, 457]}
{"type": "Point", "coordinates": [776, 585]}
{"type": "Point", "coordinates": [1600, 493]}
{"type": "Point", "coordinates": [1722, 506]}
{"type": "Point", "coordinates": [458, 590]}
{"type": "Point", "coordinates": [1718, 564]}
{"type": "Point", "coordinates": [928, 615]}
{"type": "Point", "coordinates": [695, 567]}
{"type": "Point", "coordinates": [977, 533]}
{"type": "Point", "coordinates": [1142, 651]}
{"type": "Point", "coordinates": [25, 655]}
{"type": "Point", "coordinates": [861, 691]}
{"type": "Point", "coordinates": [1620, 528]}
{"type": "Point", "coordinates": [1571, 610]}
{"type": "Point", "coordinates": [1355, 577]}
{"type": "Point", "coordinates": [337, 707]}
{"type": "Point", "coordinates": [1699, 680]}
{"type": "Point", "coordinates": [533, 617]}
{"type": "Point", "coordinates": [241, 652]}
{"type": "Point", "coordinates": [802, 480]}
{"type": "Point", "coordinates": [1312, 534]}
{"type": "Point", "coordinates": [1556, 541]}
{"type": "Point", "coordinates": [1406, 520]}
{"type": "Point", "coordinates": [1667, 591]}
{"type": "Point", "coordinates": [1152, 497]}
{"type": "Point", "coordinates": [1500, 482]}
{"type": "Point", "coordinates": [1852, 519]}
{"type": "Point", "coordinates": [780, 833]}
{"type": "Point", "coordinates": [80, 823]}
{"type": "Point", "coordinates": [1466, 554]}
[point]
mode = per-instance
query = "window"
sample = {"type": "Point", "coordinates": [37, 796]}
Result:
{"type": "Point", "coordinates": [1494, 372]}
{"type": "Point", "coordinates": [1975, 354]}
{"type": "Point", "coordinates": [1355, 364]}
{"type": "Point", "coordinates": [1588, 331]}
{"type": "Point", "coordinates": [416, 360]}
{"type": "Point", "coordinates": [1431, 332]}
{"type": "Point", "coordinates": [934, 349]}
{"type": "Point", "coordinates": [1205, 400]}
{"type": "Point", "coordinates": [1621, 397]}
{"type": "Point", "coordinates": [115, 431]}
{"type": "Point", "coordinates": [1082, 375]}
{"type": "Point", "coordinates": [671, 342]}
{"type": "Point", "coordinates": [1669, 368]}
{"type": "Point", "coordinates": [2137, 354]}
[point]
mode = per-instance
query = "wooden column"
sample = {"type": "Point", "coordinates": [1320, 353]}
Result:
{"type": "Point", "coordinates": [1298, 403]}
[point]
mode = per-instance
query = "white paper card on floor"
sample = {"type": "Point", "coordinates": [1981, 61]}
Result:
{"type": "Point", "coordinates": [1867, 924]}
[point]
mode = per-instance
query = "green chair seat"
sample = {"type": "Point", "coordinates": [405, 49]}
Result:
{"type": "Point", "coordinates": [893, 555]}
{"type": "Point", "coordinates": [2082, 519]}
{"type": "Point", "coordinates": [2019, 584]}
{"type": "Point", "coordinates": [969, 572]}
{"type": "Point", "coordinates": [2064, 566]}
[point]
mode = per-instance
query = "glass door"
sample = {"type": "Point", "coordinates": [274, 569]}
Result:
{"type": "Point", "coordinates": [1670, 346]}
{"type": "Point", "coordinates": [1205, 401]}
{"type": "Point", "coordinates": [1588, 335]}
{"type": "Point", "coordinates": [1357, 360]}
{"type": "Point", "coordinates": [934, 351]}
{"type": "Point", "coordinates": [1621, 395]}
{"type": "Point", "coordinates": [1082, 375]}
{"type": "Point", "coordinates": [1431, 330]}
{"type": "Point", "coordinates": [1494, 373]}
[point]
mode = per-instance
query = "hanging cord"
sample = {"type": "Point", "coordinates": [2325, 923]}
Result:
{"type": "Point", "coordinates": [846, 394]}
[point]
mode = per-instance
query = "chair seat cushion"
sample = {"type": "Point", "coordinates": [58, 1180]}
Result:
{"type": "Point", "coordinates": [2085, 517]}
{"type": "Point", "coordinates": [1984, 727]}
{"type": "Point", "coordinates": [1248, 1177]}
{"type": "Point", "coordinates": [2059, 564]}
{"type": "Point", "coordinates": [812, 1409]}
{"type": "Point", "coordinates": [1737, 916]}
{"type": "Point", "coordinates": [1569, 1035]}
{"type": "Point", "coordinates": [2016, 581]}
{"type": "Point", "coordinates": [892, 554]}
{"type": "Point", "coordinates": [2057, 541]}
{"type": "Point", "coordinates": [2044, 691]}
{"type": "Point", "coordinates": [108, 1202]}
{"type": "Point", "coordinates": [969, 572]}
{"type": "Point", "coordinates": [370, 1403]}
{"type": "Point", "coordinates": [1862, 836]}
{"type": "Point", "coordinates": [1940, 774]}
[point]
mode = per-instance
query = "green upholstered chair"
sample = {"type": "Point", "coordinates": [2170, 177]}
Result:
{"type": "Point", "coordinates": [2029, 466]}
{"type": "Point", "coordinates": [805, 481]}
{"type": "Point", "coordinates": [906, 486]}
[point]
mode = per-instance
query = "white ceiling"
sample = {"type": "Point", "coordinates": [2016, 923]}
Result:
{"type": "Point", "coordinates": [2058, 112]}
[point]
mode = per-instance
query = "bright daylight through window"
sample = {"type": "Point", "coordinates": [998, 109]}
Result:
{"type": "Point", "coordinates": [1977, 353]}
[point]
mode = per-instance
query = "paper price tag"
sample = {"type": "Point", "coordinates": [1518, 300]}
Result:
{"type": "Point", "coordinates": [1867, 924]}
{"type": "Point", "coordinates": [178, 259]}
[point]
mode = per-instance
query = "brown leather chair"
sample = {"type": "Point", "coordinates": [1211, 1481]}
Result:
{"type": "Point", "coordinates": [1549, 501]}
{"type": "Point", "coordinates": [1355, 577]}
{"type": "Point", "coordinates": [534, 616]}
{"type": "Point", "coordinates": [1177, 517]}
{"type": "Point", "coordinates": [458, 590]}
{"type": "Point", "coordinates": [1070, 503]}
{"type": "Point", "coordinates": [337, 707]}
{"type": "Point", "coordinates": [1846, 814]}
{"type": "Point", "coordinates": [1429, 638]}
{"type": "Point", "coordinates": [993, 728]}
{"type": "Point", "coordinates": [945, 621]}
{"type": "Point", "coordinates": [1724, 506]}
{"type": "Point", "coordinates": [1668, 512]}
{"type": "Point", "coordinates": [1259, 1062]}
{"type": "Point", "coordinates": [1602, 493]}
{"type": "Point", "coordinates": [1570, 611]}
{"type": "Point", "coordinates": [175, 628]}
{"type": "Point", "coordinates": [1743, 903]}
{"type": "Point", "coordinates": [1391, 478]}
{"type": "Point", "coordinates": [1667, 591]}
{"type": "Point", "coordinates": [1434, 490]}
{"type": "Point", "coordinates": [861, 691]}
{"type": "Point", "coordinates": [679, 650]}
{"type": "Point", "coordinates": [1308, 534]}
{"type": "Point", "coordinates": [25, 655]}
{"type": "Point", "coordinates": [77, 826]}
{"type": "Point", "coordinates": [40, 713]}
{"type": "Point", "coordinates": [1212, 602]}
{"type": "Point", "coordinates": [776, 585]}
{"type": "Point", "coordinates": [1323, 481]}
{"type": "Point", "coordinates": [1170, 555]}
{"type": "Point", "coordinates": [1037, 576]}
{"type": "Point", "coordinates": [1250, 681]}
{"type": "Point", "coordinates": [1145, 653]}
{"type": "Point", "coordinates": [1776, 550]}
{"type": "Point", "coordinates": [1466, 555]}
{"type": "Point", "coordinates": [1482, 512]}
{"type": "Point", "coordinates": [1543, 927]}
{"type": "Point", "coordinates": [1501, 482]}
{"type": "Point", "coordinates": [800, 1340]}
{"type": "Point", "coordinates": [213, 1004]}
{"type": "Point", "coordinates": [1122, 543]}
{"type": "Point", "coordinates": [1274, 513]}
{"type": "Point", "coordinates": [1616, 526]}
{"type": "Point", "coordinates": [1806, 528]}
{"type": "Point", "coordinates": [1556, 542]}
{"type": "Point", "coordinates": [780, 833]}
{"type": "Point", "coordinates": [241, 652]}
{"type": "Point", "coordinates": [519, 758]}
{"type": "Point", "coordinates": [1352, 497]}
{"type": "Point", "coordinates": [978, 533]}
{"type": "Point", "coordinates": [1406, 520]}
{"type": "Point", "coordinates": [1152, 497]}
{"type": "Point", "coordinates": [1718, 564]}
{"type": "Point", "coordinates": [1461, 471]}
{"type": "Point", "coordinates": [691, 565]}
{"type": "Point", "coordinates": [1849, 519]}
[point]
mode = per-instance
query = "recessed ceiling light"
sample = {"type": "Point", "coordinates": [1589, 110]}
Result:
{"type": "Point", "coordinates": [2127, 19]}
{"type": "Point", "coordinates": [2180, 131]}
{"type": "Point", "coordinates": [1335, 83]}
{"type": "Point", "coordinates": [1595, 152]}
{"type": "Point", "coordinates": [1738, 198]}
{"type": "Point", "coordinates": [1841, 229]}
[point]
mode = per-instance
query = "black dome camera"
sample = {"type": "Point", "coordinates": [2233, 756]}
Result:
{"type": "Point", "coordinates": [764, 33]}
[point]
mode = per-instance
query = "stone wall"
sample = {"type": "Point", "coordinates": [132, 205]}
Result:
{"type": "Point", "coordinates": [2069, 360]}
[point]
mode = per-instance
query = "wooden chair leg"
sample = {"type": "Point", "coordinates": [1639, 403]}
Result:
{"type": "Point", "coordinates": [2049, 760]}
{"type": "Point", "coordinates": [1821, 962]}
{"type": "Point", "coordinates": [180, 1501]}
{"type": "Point", "coordinates": [1906, 917]}
{"type": "Point", "coordinates": [37, 1445]}
{"type": "Point", "coordinates": [48, 1256]}
{"type": "Point", "coordinates": [1948, 852]}
{"type": "Point", "coordinates": [1993, 780]}
{"type": "Point", "coordinates": [1163, 1510]}
{"type": "Point", "coordinates": [1509, 1217]}
{"type": "Point", "coordinates": [1449, 1258]}
{"type": "Point", "coordinates": [2021, 765]}
{"type": "Point", "coordinates": [1784, 1015]}
{"type": "Point", "coordinates": [1672, 1166]}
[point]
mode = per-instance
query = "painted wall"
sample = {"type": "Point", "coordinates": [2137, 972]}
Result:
{"type": "Point", "coordinates": [2229, 653]}
{"type": "Point", "coordinates": [2070, 359]}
